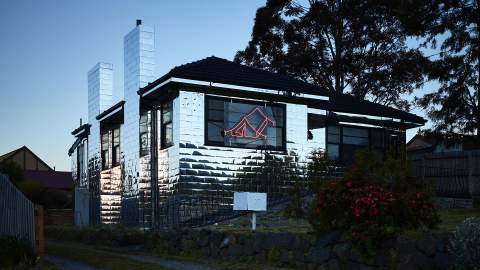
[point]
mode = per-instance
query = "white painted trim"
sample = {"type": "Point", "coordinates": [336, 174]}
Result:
{"type": "Point", "coordinates": [367, 116]}
{"type": "Point", "coordinates": [357, 124]}
{"type": "Point", "coordinates": [156, 87]}
{"type": "Point", "coordinates": [111, 113]}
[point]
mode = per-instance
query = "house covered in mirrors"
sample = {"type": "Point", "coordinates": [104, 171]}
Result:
{"type": "Point", "coordinates": [174, 150]}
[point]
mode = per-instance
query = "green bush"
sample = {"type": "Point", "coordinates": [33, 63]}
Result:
{"type": "Point", "coordinates": [375, 200]}
{"type": "Point", "coordinates": [465, 244]}
{"type": "Point", "coordinates": [15, 252]}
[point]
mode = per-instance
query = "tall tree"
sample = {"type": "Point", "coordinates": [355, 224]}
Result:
{"type": "Point", "coordinates": [455, 105]}
{"type": "Point", "coordinates": [344, 46]}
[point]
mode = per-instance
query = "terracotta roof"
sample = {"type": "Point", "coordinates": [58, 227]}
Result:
{"type": "Point", "coordinates": [51, 179]}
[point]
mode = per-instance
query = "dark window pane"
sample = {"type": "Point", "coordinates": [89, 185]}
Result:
{"type": "Point", "coordinates": [333, 134]}
{"type": "Point", "coordinates": [355, 140]}
{"type": "Point", "coordinates": [378, 138]}
{"type": "Point", "coordinates": [144, 144]}
{"type": "Point", "coordinates": [355, 136]}
{"type": "Point", "coordinates": [215, 131]}
{"type": "Point", "coordinates": [333, 130]}
{"type": "Point", "coordinates": [215, 115]}
{"type": "Point", "coordinates": [116, 156]}
{"type": "Point", "coordinates": [333, 151]}
{"type": "Point", "coordinates": [357, 132]}
{"type": "Point", "coordinates": [144, 134]}
{"type": "Point", "coordinates": [116, 137]}
{"type": "Point", "coordinates": [168, 135]}
{"type": "Point", "coordinates": [166, 128]}
{"type": "Point", "coordinates": [215, 104]}
{"type": "Point", "coordinates": [167, 112]}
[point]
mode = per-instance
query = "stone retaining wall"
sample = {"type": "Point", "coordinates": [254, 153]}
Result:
{"type": "Point", "coordinates": [305, 251]}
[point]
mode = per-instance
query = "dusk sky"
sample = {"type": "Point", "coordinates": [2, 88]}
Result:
{"type": "Point", "coordinates": [48, 46]}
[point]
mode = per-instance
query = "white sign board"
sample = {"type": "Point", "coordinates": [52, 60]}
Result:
{"type": "Point", "coordinates": [253, 201]}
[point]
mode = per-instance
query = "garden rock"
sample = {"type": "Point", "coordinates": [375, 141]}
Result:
{"type": "Point", "coordinates": [427, 245]}
{"type": "Point", "coordinates": [328, 239]}
{"type": "Point", "coordinates": [318, 255]}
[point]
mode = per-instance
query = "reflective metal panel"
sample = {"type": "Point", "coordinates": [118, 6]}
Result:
{"type": "Point", "coordinates": [139, 63]}
{"type": "Point", "coordinates": [100, 88]}
{"type": "Point", "coordinates": [197, 181]}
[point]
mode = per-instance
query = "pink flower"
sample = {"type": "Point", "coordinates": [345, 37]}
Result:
{"type": "Point", "coordinates": [373, 211]}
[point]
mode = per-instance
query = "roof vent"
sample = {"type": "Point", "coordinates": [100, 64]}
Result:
{"type": "Point", "coordinates": [139, 22]}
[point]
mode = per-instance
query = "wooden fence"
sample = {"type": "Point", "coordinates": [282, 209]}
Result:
{"type": "Point", "coordinates": [451, 174]}
{"type": "Point", "coordinates": [17, 213]}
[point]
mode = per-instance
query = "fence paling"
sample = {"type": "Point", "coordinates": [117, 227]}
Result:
{"type": "Point", "coordinates": [443, 182]}
{"type": "Point", "coordinates": [16, 212]}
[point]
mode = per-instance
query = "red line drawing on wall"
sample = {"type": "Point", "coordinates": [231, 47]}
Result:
{"type": "Point", "coordinates": [240, 129]}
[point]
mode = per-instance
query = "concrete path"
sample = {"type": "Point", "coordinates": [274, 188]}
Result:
{"type": "Point", "coordinates": [68, 264]}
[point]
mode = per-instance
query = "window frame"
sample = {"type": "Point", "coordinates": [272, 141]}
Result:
{"type": "Point", "coordinates": [283, 147]}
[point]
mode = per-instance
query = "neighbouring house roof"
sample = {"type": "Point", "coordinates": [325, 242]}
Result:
{"type": "Point", "coordinates": [222, 71]}
{"type": "Point", "coordinates": [51, 179]}
{"type": "Point", "coordinates": [10, 157]}
{"type": "Point", "coordinates": [428, 142]}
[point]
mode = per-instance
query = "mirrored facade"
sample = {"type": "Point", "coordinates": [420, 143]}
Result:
{"type": "Point", "coordinates": [174, 151]}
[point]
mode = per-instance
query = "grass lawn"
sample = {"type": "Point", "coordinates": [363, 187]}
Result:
{"type": "Point", "coordinates": [275, 222]}
{"type": "Point", "coordinates": [95, 256]}
{"type": "Point", "coordinates": [110, 258]}
{"type": "Point", "coordinates": [453, 217]}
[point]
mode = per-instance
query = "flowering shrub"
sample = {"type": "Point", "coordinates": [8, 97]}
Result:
{"type": "Point", "coordinates": [465, 244]}
{"type": "Point", "coordinates": [369, 205]}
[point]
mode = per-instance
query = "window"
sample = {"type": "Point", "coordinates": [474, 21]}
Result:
{"type": "Point", "coordinates": [355, 136]}
{"type": "Point", "coordinates": [116, 147]}
{"type": "Point", "coordinates": [344, 141]}
{"type": "Point", "coordinates": [104, 150]}
{"type": "Point", "coordinates": [333, 142]}
{"type": "Point", "coordinates": [166, 125]}
{"type": "Point", "coordinates": [144, 136]}
{"type": "Point", "coordinates": [236, 123]}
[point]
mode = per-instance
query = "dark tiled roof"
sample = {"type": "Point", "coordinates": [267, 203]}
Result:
{"type": "Point", "coordinates": [218, 70]}
{"type": "Point", "coordinates": [51, 179]}
{"type": "Point", "coordinates": [348, 104]}
{"type": "Point", "coordinates": [82, 128]}
{"type": "Point", "coordinates": [74, 145]}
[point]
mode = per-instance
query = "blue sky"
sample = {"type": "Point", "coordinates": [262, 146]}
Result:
{"type": "Point", "coordinates": [48, 46]}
